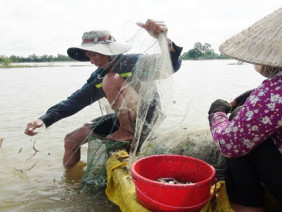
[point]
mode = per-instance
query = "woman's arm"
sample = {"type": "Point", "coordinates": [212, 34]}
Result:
{"type": "Point", "coordinates": [259, 118]}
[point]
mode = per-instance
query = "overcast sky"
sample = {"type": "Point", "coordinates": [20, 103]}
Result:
{"type": "Point", "coordinates": [51, 26]}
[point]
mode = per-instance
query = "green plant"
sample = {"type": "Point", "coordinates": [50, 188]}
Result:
{"type": "Point", "coordinates": [5, 61]}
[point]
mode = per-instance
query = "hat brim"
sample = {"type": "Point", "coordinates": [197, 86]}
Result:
{"type": "Point", "coordinates": [259, 44]}
{"type": "Point", "coordinates": [109, 49]}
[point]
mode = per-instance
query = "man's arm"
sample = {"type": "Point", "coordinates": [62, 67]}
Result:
{"type": "Point", "coordinates": [83, 97]}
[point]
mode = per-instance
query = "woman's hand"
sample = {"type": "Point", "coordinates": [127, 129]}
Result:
{"type": "Point", "coordinates": [220, 106]}
{"type": "Point", "coordinates": [240, 100]}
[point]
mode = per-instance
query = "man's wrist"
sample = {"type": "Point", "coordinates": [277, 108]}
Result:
{"type": "Point", "coordinates": [170, 45]}
{"type": "Point", "coordinates": [169, 42]}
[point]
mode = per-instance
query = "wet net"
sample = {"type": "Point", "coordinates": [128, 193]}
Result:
{"type": "Point", "coordinates": [153, 84]}
{"type": "Point", "coordinates": [151, 79]}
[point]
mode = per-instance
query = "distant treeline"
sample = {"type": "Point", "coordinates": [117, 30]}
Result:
{"type": "Point", "coordinates": [199, 52]}
{"type": "Point", "coordinates": [34, 58]}
{"type": "Point", "coordinates": [202, 52]}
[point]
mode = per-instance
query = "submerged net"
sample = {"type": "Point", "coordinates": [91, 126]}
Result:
{"type": "Point", "coordinates": [152, 79]}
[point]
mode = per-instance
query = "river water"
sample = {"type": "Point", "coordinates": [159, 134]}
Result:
{"type": "Point", "coordinates": [32, 175]}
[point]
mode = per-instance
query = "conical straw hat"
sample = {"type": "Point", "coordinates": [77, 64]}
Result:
{"type": "Point", "coordinates": [260, 44]}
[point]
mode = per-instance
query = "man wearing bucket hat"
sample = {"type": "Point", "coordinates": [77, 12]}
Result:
{"type": "Point", "coordinates": [108, 80]}
{"type": "Point", "coordinates": [252, 140]}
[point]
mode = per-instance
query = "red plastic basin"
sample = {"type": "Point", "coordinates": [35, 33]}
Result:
{"type": "Point", "coordinates": [159, 196]}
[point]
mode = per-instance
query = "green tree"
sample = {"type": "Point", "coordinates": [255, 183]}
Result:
{"type": "Point", "coordinates": [14, 59]}
{"type": "Point", "coordinates": [33, 58]}
{"type": "Point", "coordinates": [5, 61]}
{"type": "Point", "coordinates": [61, 57]}
{"type": "Point", "coordinates": [207, 47]}
{"type": "Point", "coordinates": [194, 53]}
{"type": "Point", "coordinates": [202, 47]}
{"type": "Point", "coordinates": [202, 51]}
{"type": "Point", "coordinates": [210, 54]}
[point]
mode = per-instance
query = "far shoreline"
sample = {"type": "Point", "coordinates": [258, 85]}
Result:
{"type": "Point", "coordinates": [58, 64]}
{"type": "Point", "coordinates": [42, 65]}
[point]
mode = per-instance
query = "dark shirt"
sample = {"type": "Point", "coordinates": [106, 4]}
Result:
{"type": "Point", "coordinates": [92, 90]}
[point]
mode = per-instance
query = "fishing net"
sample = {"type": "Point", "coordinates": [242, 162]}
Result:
{"type": "Point", "coordinates": [98, 152]}
{"type": "Point", "coordinates": [153, 80]}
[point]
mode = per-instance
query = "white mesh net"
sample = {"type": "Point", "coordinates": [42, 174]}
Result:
{"type": "Point", "coordinates": [152, 80]}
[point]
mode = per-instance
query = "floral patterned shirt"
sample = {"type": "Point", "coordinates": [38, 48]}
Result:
{"type": "Point", "coordinates": [259, 118]}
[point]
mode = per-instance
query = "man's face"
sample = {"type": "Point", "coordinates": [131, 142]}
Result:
{"type": "Point", "coordinates": [97, 59]}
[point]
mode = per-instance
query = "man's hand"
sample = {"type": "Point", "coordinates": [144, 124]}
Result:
{"type": "Point", "coordinates": [153, 27]}
{"type": "Point", "coordinates": [31, 126]}
{"type": "Point", "coordinates": [220, 106]}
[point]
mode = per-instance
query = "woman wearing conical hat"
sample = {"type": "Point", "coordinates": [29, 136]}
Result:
{"type": "Point", "coordinates": [252, 140]}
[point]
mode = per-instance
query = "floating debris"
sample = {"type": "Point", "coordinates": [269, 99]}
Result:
{"type": "Point", "coordinates": [34, 150]}
{"type": "Point", "coordinates": [20, 150]}
{"type": "Point", "coordinates": [22, 170]}
{"type": "Point", "coordinates": [1, 141]}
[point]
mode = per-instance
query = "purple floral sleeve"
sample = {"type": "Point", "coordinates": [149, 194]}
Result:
{"type": "Point", "coordinates": [259, 118]}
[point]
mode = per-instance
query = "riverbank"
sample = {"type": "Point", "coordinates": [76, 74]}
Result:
{"type": "Point", "coordinates": [79, 64]}
{"type": "Point", "coordinates": [44, 64]}
{"type": "Point", "coordinates": [18, 66]}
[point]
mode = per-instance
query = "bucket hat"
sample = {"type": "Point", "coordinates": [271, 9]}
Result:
{"type": "Point", "coordinates": [100, 41]}
{"type": "Point", "coordinates": [259, 44]}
